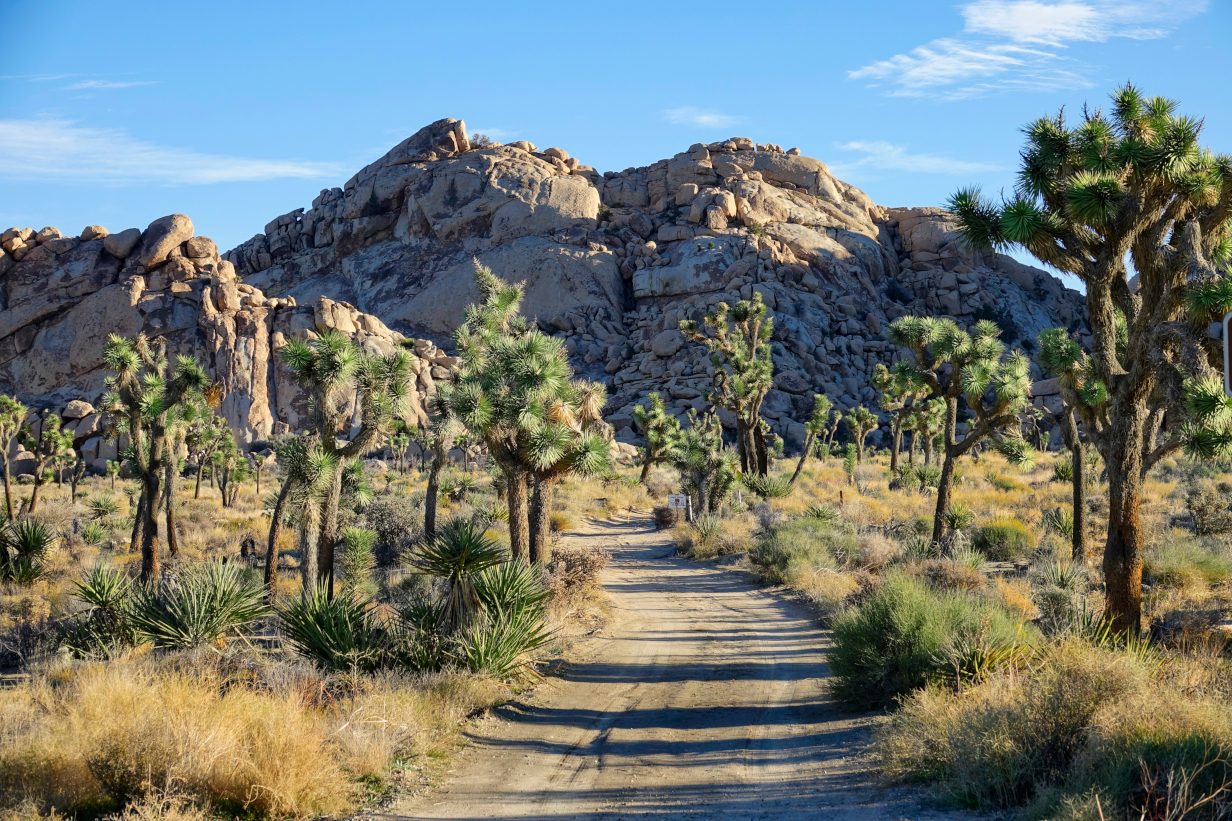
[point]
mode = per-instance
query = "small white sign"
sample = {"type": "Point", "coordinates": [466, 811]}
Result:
{"type": "Point", "coordinates": [1227, 355]}
{"type": "Point", "coordinates": [677, 501]}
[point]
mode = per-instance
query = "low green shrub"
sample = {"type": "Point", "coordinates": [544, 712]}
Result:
{"type": "Point", "coordinates": [1003, 540]}
{"type": "Point", "coordinates": [895, 641]}
{"type": "Point", "coordinates": [1185, 564]}
{"type": "Point", "coordinates": [804, 542]}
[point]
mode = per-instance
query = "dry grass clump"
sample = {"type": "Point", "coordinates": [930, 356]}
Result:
{"type": "Point", "coordinates": [1087, 721]}
{"type": "Point", "coordinates": [232, 737]}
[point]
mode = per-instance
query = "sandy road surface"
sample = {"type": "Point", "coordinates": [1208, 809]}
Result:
{"type": "Point", "coordinates": [703, 697]}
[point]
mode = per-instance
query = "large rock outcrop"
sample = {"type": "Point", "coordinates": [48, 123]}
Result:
{"type": "Point", "coordinates": [64, 296]}
{"type": "Point", "coordinates": [612, 262]}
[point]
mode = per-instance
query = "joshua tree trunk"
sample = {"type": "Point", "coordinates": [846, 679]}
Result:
{"type": "Point", "coordinates": [759, 444]}
{"type": "Point", "coordinates": [271, 551]}
{"type": "Point", "coordinates": [519, 524]}
{"type": "Point", "coordinates": [808, 448]}
{"type": "Point", "coordinates": [430, 500]}
{"type": "Point", "coordinates": [945, 487]}
{"type": "Point", "coordinates": [309, 570]}
{"type": "Point", "coordinates": [897, 434]}
{"type": "Point", "coordinates": [1123, 550]}
{"type": "Point", "coordinates": [197, 489]}
{"type": "Point", "coordinates": [8, 488]}
{"type": "Point", "coordinates": [642, 479]}
{"type": "Point", "coordinates": [329, 531]}
{"type": "Point", "coordinates": [1069, 433]}
{"type": "Point", "coordinates": [173, 540]}
{"type": "Point", "coordinates": [138, 524]}
{"type": "Point", "coordinates": [34, 495]}
{"type": "Point", "coordinates": [541, 520]}
{"type": "Point", "coordinates": [149, 525]}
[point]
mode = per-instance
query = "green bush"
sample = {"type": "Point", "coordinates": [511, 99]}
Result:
{"type": "Point", "coordinates": [1184, 564]}
{"type": "Point", "coordinates": [801, 542]}
{"type": "Point", "coordinates": [340, 634]}
{"type": "Point", "coordinates": [1003, 540]}
{"type": "Point", "coordinates": [1063, 471]}
{"type": "Point", "coordinates": [897, 640]}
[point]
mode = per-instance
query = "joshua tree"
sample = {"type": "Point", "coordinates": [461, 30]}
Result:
{"type": "Point", "coordinates": [832, 430]}
{"type": "Point", "coordinates": [441, 434]}
{"type": "Point", "coordinates": [860, 423]}
{"type": "Point", "coordinates": [661, 430]}
{"type": "Point", "coordinates": [953, 363]}
{"type": "Point", "coordinates": [12, 415]}
{"type": "Point", "coordinates": [900, 392]}
{"type": "Point", "coordinates": [1134, 186]}
{"type": "Point", "coordinates": [398, 444]}
{"type": "Point", "coordinates": [1063, 357]}
{"type": "Point", "coordinates": [335, 371]}
{"type": "Point", "coordinates": [232, 469]}
{"type": "Point", "coordinates": [513, 391]}
{"type": "Point", "coordinates": [140, 400]}
{"type": "Point", "coordinates": [113, 470]}
{"type": "Point", "coordinates": [739, 345]}
{"type": "Point", "coordinates": [707, 467]}
{"type": "Point", "coordinates": [259, 464]}
{"type": "Point", "coordinates": [76, 473]}
{"type": "Point", "coordinates": [925, 424]}
{"type": "Point", "coordinates": [203, 439]}
{"type": "Point", "coordinates": [309, 473]}
{"type": "Point", "coordinates": [48, 447]}
{"type": "Point", "coordinates": [814, 427]}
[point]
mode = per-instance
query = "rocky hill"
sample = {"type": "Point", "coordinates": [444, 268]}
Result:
{"type": "Point", "coordinates": [612, 262]}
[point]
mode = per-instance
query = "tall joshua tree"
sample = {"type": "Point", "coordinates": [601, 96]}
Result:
{"type": "Point", "coordinates": [203, 438]}
{"type": "Point", "coordinates": [309, 473]}
{"type": "Point", "coordinates": [12, 415]}
{"type": "Point", "coordinates": [1130, 186]}
{"type": "Point", "coordinates": [832, 431]}
{"type": "Point", "coordinates": [814, 427]}
{"type": "Point", "coordinates": [141, 400]}
{"type": "Point", "coordinates": [1062, 357]}
{"type": "Point", "coordinates": [514, 392]}
{"type": "Point", "coordinates": [739, 345]}
{"type": "Point", "coordinates": [900, 392]}
{"type": "Point", "coordinates": [953, 363]}
{"type": "Point", "coordinates": [707, 467]}
{"type": "Point", "coordinates": [334, 371]}
{"type": "Point", "coordinates": [660, 429]}
{"type": "Point", "coordinates": [49, 445]}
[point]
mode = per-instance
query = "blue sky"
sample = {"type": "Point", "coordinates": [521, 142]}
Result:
{"type": "Point", "coordinates": [235, 113]}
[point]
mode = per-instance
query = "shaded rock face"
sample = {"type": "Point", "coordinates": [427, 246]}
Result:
{"type": "Point", "coordinates": [57, 311]}
{"type": "Point", "coordinates": [399, 239]}
{"type": "Point", "coordinates": [612, 263]}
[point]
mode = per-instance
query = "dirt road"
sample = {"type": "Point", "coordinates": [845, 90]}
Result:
{"type": "Point", "coordinates": [703, 697]}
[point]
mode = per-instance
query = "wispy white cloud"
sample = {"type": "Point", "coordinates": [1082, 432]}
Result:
{"type": "Point", "coordinates": [100, 84]}
{"type": "Point", "coordinates": [884, 156]}
{"type": "Point", "coordinates": [63, 151]}
{"type": "Point", "coordinates": [692, 115]}
{"type": "Point", "coordinates": [1019, 45]}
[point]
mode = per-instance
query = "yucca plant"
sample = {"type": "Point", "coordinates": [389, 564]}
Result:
{"type": "Point", "coordinates": [919, 548]}
{"type": "Point", "coordinates": [824, 514]}
{"type": "Point", "coordinates": [93, 533]}
{"type": "Point", "coordinates": [103, 506]}
{"type": "Point", "coordinates": [105, 629]}
{"type": "Point", "coordinates": [26, 544]}
{"type": "Point", "coordinates": [1061, 520]}
{"type": "Point", "coordinates": [1064, 575]}
{"type": "Point", "coordinates": [197, 606]}
{"type": "Point", "coordinates": [511, 587]}
{"type": "Point", "coordinates": [339, 633]}
{"type": "Point", "coordinates": [458, 554]}
{"type": "Point", "coordinates": [769, 487]}
{"type": "Point", "coordinates": [958, 517]}
{"type": "Point", "coordinates": [500, 646]}
{"type": "Point", "coordinates": [1063, 471]}
{"type": "Point", "coordinates": [705, 528]}
{"type": "Point", "coordinates": [928, 476]}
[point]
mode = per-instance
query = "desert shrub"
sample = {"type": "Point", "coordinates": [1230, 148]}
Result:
{"type": "Point", "coordinates": [894, 641]}
{"type": "Point", "coordinates": [1003, 539]}
{"type": "Point", "coordinates": [1012, 740]}
{"type": "Point", "coordinates": [1002, 482]}
{"type": "Point", "coordinates": [769, 487]}
{"type": "Point", "coordinates": [874, 551]}
{"type": "Point", "coordinates": [705, 528]}
{"type": "Point", "coordinates": [943, 574]}
{"type": "Point", "coordinates": [1060, 520]}
{"type": "Point", "coordinates": [575, 568]}
{"type": "Point", "coordinates": [561, 522]}
{"type": "Point", "coordinates": [340, 634]}
{"type": "Point", "coordinates": [665, 517]}
{"type": "Point", "coordinates": [968, 557]}
{"type": "Point", "coordinates": [398, 522]}
{"type": "Point", "coordinates": [1183, 563]}
{"type": "Point", "coordinates": [800, 546]}
{"type": "Point", "coordinates": [918, 548]}
{"type": "Point", "coordinates": [1209, 511]}
{"type": "Point", "coordinates": [824, 514]}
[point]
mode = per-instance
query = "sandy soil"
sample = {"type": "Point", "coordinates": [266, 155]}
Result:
{"type": "Point", "coordinates": [702, 697]}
